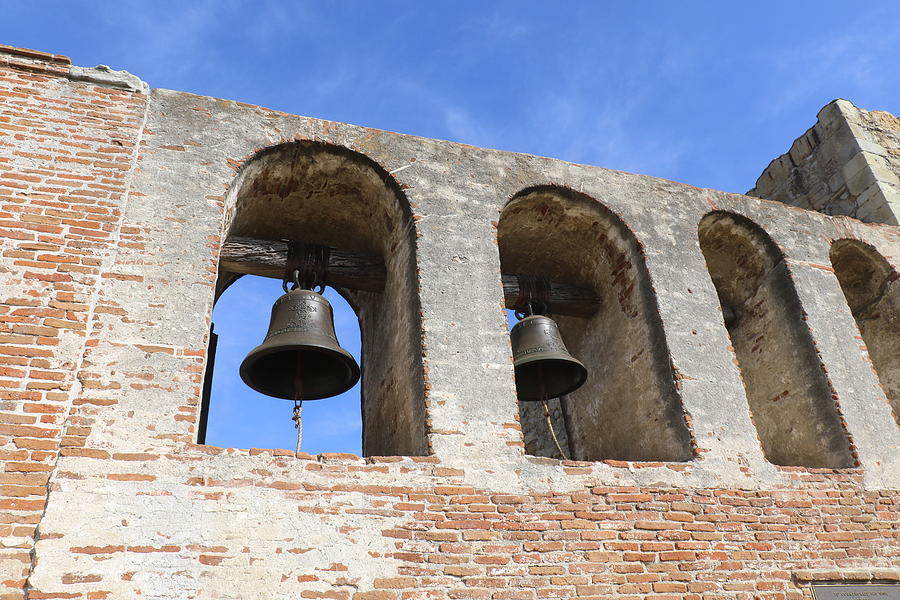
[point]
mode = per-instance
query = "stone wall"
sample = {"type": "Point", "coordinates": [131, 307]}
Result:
{"type": "Point", "coordinates": [115, 203]}
{"type": "Point", "coordinates": [848, 163]}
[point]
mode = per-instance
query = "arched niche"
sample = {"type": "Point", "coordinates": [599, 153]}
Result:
{"type": "Point", "coordinates": [791, 400]}
{"type": "Point", "coordinates": [872, 290]}
{"type": "Point", "coordinates": [328, 195]}
{"type": "Point", "coordinates": [629, 408]}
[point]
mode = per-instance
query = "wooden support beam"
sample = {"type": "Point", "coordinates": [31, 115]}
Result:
{"type": "Point", "coordinates": [267, 258]}
{"type": "Point", "coordinates": [565, 299]}
{"type": "Point", "coordinates": [248, 256]}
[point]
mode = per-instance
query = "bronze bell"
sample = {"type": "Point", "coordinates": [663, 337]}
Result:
{"type": "Point", "coordinates": [544, 368]}
{"type": "Point", "coordinates": [300, 359]}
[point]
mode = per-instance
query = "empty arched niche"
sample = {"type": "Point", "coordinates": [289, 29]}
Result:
{"type": "Point", "coordinates": [872, 289]}
{"type": "Point", "coordinates": [791, 400]}
{"type": "Point", "coordinates": [327, 195]}
{"type": "Point", "coordinates": [629, 408]}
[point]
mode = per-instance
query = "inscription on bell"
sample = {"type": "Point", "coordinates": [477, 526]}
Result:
{"type": "Point", "coordinates": [554, 342]}
{"type": "Point", "coordinates": [300, 318]}
{"type": "Point", "coordinates": [297, 312]}
{"type": "Point", "coordinates": [533, 350]}
{"type": "Point", "coordinates": [302, 313]}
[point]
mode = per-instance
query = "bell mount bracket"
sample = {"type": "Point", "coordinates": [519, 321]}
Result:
{"type": "Point", "coordinates": [306, 266]}
{"type": "Point", "coordinates": [534, 296]}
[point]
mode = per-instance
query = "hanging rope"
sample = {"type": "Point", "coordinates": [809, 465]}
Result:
{"type": "Point", "coordinates": [552, 431]}
{"type": "Point", "coordinates": [298, 422]}
{"type": "Point", "coordinates": [549, 420]}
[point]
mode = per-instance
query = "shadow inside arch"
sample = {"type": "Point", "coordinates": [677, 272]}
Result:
{"type": "Point", "coordinates": [791, 400]}
{"type": "Point", "coordinates": [629, 409]}
{"type": "Point", "coordinates": [328, 195]}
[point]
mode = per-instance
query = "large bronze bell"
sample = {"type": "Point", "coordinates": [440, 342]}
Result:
{"type": "Point", "coordinates": [544, 368]}
{"type": "Point", "coordinates": [300, 359]}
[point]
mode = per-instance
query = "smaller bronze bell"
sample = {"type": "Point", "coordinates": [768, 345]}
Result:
{"type": "Point", "coordinates": [300, 359]}
{"type": "Point", "coordinates": [544, 368]}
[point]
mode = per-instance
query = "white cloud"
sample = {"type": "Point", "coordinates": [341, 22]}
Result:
{"type": "Point", "coordinates": [175, 39]}
{"type": "Point", "coordinates": [819, 70]}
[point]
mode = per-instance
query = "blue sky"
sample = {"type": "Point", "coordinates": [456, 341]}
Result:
{"type": "Point", "coordinates": [705, 93]}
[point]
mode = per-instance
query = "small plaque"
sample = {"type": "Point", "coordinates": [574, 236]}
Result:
{"type": "Point", "coordinates": [864, 591]}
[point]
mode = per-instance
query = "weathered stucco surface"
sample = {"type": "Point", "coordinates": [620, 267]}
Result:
{"type": "Point", "coordinates": [677, 499]}
{"type": "Point", "coordinates": [791, 400]}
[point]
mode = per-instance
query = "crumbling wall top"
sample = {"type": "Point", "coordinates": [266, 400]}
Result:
{"type": "Point", "coordinates": [57, 64]}
{"type": "Point", "coordinates": [848, 163]}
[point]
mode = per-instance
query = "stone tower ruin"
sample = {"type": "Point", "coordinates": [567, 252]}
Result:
{"type": "Point", "coordinates": [738, 437]}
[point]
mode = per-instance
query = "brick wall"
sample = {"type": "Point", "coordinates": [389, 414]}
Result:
{"type": "Point", "coordinates": [66, 150]}
{"type": "Point", "coordinates": [108, 266]}
{"type": "Point", "coordinates": [339, 527]}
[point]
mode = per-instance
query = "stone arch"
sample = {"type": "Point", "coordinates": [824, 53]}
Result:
{"type": "Point", "coordinates": [870, 285]}
{"type": "Point", "coordinates": [329, 195]}
{"type": "Point", "coordinates": [629, 409]}
{"type": "Point", "coordinates": [790, 398]}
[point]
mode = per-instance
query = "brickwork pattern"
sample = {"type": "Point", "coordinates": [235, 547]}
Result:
{"type": "Point", "coordinates": [422, 532]}
{"type": "Point", "coordinates": [65, 154]}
